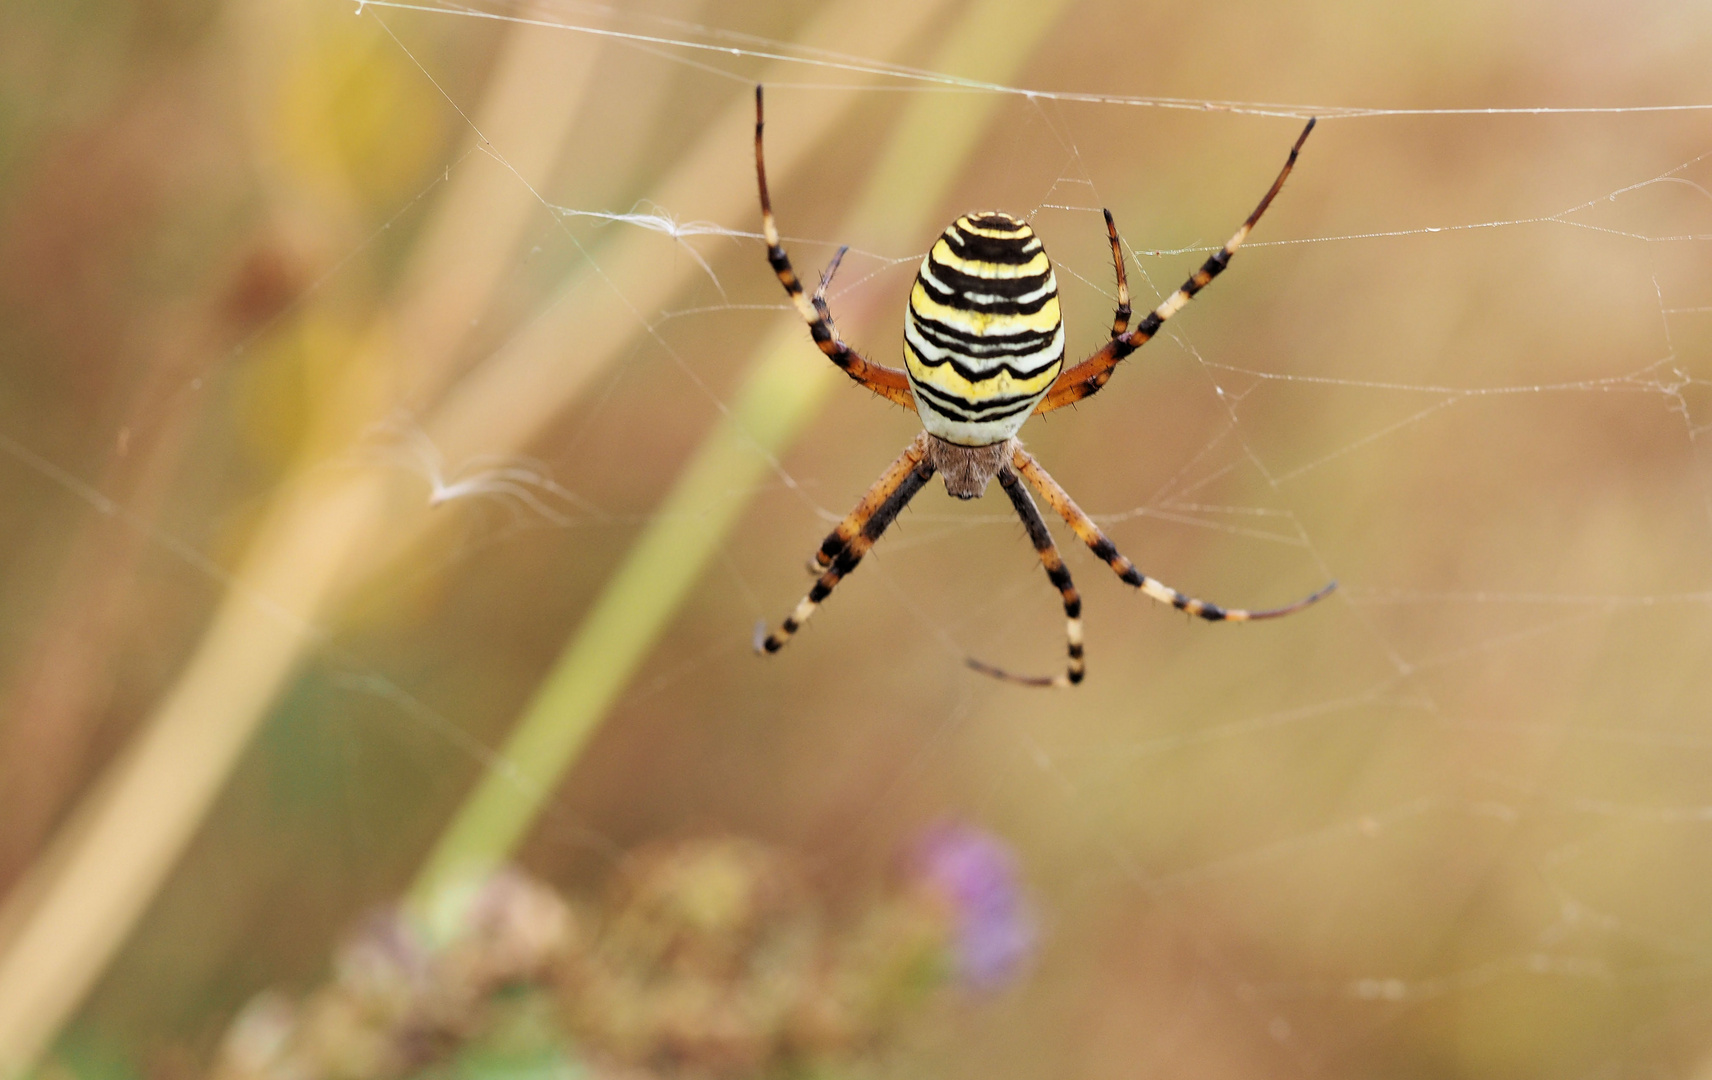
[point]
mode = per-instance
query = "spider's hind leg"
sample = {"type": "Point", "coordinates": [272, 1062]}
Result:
{"type": "Point", "coordinates": [1120, 316]}
{"type": "Point", "coordinates": [1085, 379]}
{"type": "Point", "coordinates": [819, 297]}
{"type": "Point", "coordinates": [889, 383]}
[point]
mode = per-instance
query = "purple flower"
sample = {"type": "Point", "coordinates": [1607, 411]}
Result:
{"type": "Point", "coordinates": [385, 959]}
{"type": "Point", "coordinates": [975, 873]}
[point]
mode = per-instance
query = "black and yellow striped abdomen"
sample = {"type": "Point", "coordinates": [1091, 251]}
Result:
{"type": "Point", "coordinates": [982, 339]}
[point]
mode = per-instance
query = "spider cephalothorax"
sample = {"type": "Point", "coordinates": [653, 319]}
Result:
{"type": "Point", "coordinates": [967, 470]}
{"type": "Point", "coordinates": [983, 351]}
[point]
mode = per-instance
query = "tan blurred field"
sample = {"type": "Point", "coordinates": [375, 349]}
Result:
{"type": "Point", "coordinates": [276, 276]}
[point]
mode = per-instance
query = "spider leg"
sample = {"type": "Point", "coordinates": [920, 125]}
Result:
{"type": "Point", "coordinates": [857, 519]}
{"type": "Point", "coordinates": [1090, 534]}
{"type": "Point", "coordinates": [889, 383]}
{"type": "Point", "coordinates": [887, 498]}
{"type": "Point", "coordinates": [1086, 379]}
{"type": "Point", "coordinates": [1060, 577]}
{"type": "Point", "coordinates": [819, 299]}
{"type": "Point", "coordinates": [1120, 318]}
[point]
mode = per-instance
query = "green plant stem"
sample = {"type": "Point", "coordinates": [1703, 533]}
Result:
{"type": "Point", "coordinates": [926, 151]}
{"type": "Point", "coordinates": [779, 397]}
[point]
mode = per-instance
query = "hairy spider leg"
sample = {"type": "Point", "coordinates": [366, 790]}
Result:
{"type": "Point", "coordinates": [1120, 317]}
{"type": "Point", "coordinates": [889, 496]}
{"type": "Point", "coordinates": [889, 383]}
{"type": "Point", "coordinates": [1086, 379]}
{"type": "Point", "coordinates": [1089, 533]}
{"type": "Point", "coordinates": [1060, 578]}
{"type": "Point", "coordinates": [819, 299]}
{"type": "Point", "coordinates": [854, 522]}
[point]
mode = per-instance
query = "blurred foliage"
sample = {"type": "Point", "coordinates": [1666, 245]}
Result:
{"type": "Point", "coordinates": [1449, 824]}
{"type": "Point", "coordinates": [708, 958]}
{"type": "Point", "coordinates": [355, 114]}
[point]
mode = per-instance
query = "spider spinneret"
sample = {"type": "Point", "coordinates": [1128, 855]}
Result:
{"type": "Point", "coordinates": [983, 351]}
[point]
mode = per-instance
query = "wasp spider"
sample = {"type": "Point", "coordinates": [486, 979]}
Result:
{"type": "Point", "coordinates": [983, 351]}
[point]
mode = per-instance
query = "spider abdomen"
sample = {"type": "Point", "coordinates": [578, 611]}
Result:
{"type": "Point", "coordinates": [983, 338]}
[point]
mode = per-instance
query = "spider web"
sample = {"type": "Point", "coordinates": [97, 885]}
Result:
{"type": "Point", "coordinates": [1450, 821]}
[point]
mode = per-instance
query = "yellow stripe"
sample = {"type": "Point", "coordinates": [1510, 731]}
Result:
{"type": "Point", "coordinates": [1002, 384]}
{"type": "Point", "coordinates": [1034, 267]}
{"type": "Point", "coordinates": [1020, 231]}
{"type": "Point", "coordinates": [984, 323]}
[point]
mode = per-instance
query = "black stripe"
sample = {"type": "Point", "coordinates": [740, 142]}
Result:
{"type": "Point", "coordinates": [891, 508]}
{"type": "Point", "coordinates": [983, 365]}
{"type": "Point", "coordinates": [1031, 521]}
{"type": "Point", "coordinates": [1008, 287]}
{"type": "Point", "coordinates": [983, 374]}
{"type": "Point", "coordinates": [962, 301]}
{"type": "Point", "coordinates": [950, 337]}
{"type": "Point", "coordinates": [990, 249]}
{"type": "Point", "coordinates": [956, 415]}
{"type": "Point", "coordinates": [961, 402]}
{"type": "Point", "coordinates": [961, 408]}
{"type": "Point", "coordinates": [997, 221]}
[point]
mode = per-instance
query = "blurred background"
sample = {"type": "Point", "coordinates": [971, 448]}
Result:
{"type": "Point", "coordinates": [401, 433]}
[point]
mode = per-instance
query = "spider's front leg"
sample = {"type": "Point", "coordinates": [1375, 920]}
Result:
{"type": "Point", "coordinates": [1056, 572]}
{"type": "Point", "coordinates": [844, 546]}
{"type": "Point", "coordinates": [1089, 533]}
{"type": "Point", "coordinates": [857, 520]}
